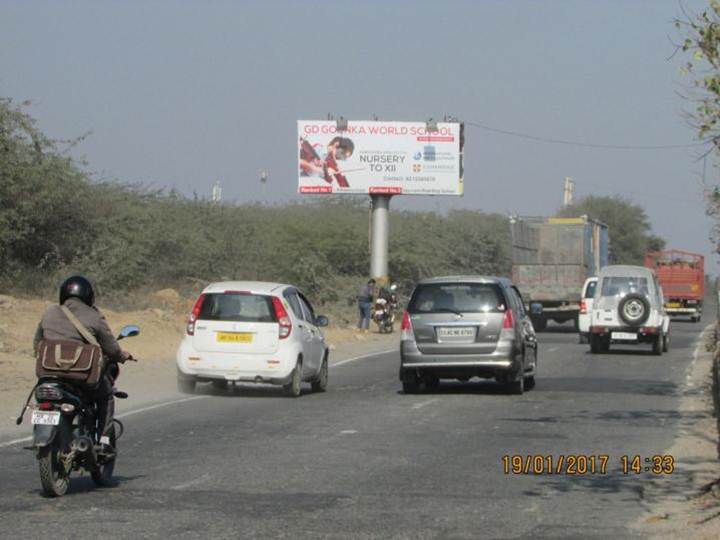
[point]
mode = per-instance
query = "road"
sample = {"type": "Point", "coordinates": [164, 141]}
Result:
{"type": "Point", "coordinates": [366, 461]}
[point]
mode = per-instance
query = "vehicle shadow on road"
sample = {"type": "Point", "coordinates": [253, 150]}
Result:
{"type": "Point", "coordinates": [85, 484]}
{"type": "Point", "coordinates": [622, 352]}
{"type": "Point", "coordinates": [246, 391]}
{"type": "Point", "coordinates": [485, 387]}
{"type": "Point", "coordinates": [558, 329]}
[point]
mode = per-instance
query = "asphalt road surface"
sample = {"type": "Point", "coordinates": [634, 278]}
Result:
{"type": "Point", "coordinates": [366, 461]}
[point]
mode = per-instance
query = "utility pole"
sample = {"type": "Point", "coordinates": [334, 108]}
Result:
{"type": "Point", "coordinates": [380, 232]}
{"type": "Point", "coordinates": [569, 193]}
{"type": "Point", "coordinates": [263, 184]}
{"type": "Point", "coordinates": [216, 193]}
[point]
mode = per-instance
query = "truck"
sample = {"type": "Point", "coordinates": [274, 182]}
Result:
{"type": "Point", "coordinates": [681, 275]}
{"type": "Point", "coordinates": [551, 259]}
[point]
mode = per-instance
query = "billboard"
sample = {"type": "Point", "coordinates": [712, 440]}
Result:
{"type": "Point", "coordinates": [373, 157]}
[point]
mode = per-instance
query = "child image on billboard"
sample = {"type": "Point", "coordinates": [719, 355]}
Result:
{"type": "Point", "coordinates": [322, 162]}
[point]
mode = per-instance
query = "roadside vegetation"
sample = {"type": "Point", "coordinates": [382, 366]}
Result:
{"type": "Point", "coordinates": [55, 219]}
{"type": "Point", "coordinates": [630, 233]}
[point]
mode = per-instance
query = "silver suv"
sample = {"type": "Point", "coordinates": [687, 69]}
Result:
{"type": "Point", "coordinates": [464, 327]}
{"type": "Point", "coordinates": [628, 309]}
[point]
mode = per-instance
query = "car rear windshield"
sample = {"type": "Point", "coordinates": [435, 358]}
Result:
{"type": "Point", "coordinates": [237, 307]}
{"type": "Point", "coordinates": [620, 286]}
{"type": "Point", "coordinates": [457, 298]}
{"type": "Point", "coordinates": [590, 291]}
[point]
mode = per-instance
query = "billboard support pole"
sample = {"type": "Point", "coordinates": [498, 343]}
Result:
{"type": "Point", "coordinates": [380, 234]}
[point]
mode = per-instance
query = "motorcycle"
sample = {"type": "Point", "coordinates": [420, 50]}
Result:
{"type": "Point", "coordinates": [65, 435]}
{"type": "Point", "coordinates": [384, 310]}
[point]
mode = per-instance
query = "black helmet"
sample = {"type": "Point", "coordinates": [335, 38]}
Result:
{"type": "Point", "coordinates": [79, 287]}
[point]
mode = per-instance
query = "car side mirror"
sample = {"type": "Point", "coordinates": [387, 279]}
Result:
{"type": "Point", "coordinates": [130, 330]}
{"type": "Point", "coordinates": [321, 320]}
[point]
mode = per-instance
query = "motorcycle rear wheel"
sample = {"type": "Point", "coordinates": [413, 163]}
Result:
{"type": "Point", "coordinates": [53, 477]}
{"type": "Point", "coordinates": [103, 474]}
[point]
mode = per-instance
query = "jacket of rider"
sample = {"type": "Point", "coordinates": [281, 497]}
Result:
{"type": "Point", "coordinates": [55, 325]}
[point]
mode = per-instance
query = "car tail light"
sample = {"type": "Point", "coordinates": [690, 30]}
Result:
{"type": "Point", "coordinates": [509, 320]}
{"type": "Point", "coordinates": [282, 317]}
{"type": "Point", "coordinates": [649, 330]}
{"type": "Point", "coordinates": [583, 307]}
{"type": "Point", "coordinates": [194, 315]}
{"type": "Point", "coordinates": [406, 327]}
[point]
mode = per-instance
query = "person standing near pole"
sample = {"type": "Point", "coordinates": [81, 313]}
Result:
{"type": "Point", "coordinates": [365, 300]}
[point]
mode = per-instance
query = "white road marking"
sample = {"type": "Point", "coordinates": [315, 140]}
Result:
{"type": "Point", "coordinates": [348, 360]}
{"type": "Point", "coordinates": [158, 405]}
{"type": "Point", "coordinates": [552, 349]}
{"type": "Point", "coordinates": [124, 415]}
{"type": "Point", "coordinates": [348, 432]}
{"type": "Point", "coordinates": [16, 441]}
{"type": "Point", "coordinates": [193, 398]}
{"type": "Point", "coordinates": [421, 405]}
{"type": "Point", "coordinates": [198, 480]}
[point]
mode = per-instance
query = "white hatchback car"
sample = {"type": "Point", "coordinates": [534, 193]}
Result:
{"type": "Point", "coordinates": [256, 332]}
{"type": "Point", "coordinates": [586, 306]}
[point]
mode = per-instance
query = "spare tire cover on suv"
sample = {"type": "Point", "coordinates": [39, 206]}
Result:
{"type": "Point", "coordinates": [634, 309]}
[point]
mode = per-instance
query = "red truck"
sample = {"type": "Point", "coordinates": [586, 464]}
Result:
{"type": "Point", "coordinates": [682, 277]}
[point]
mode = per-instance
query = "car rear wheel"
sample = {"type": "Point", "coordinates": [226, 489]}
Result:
{"type": "Point", "coordinates": [320, 384]}
{"type": "Point", "coordinates": [595, 347]}
{"type": "Point", "coordinates": [410, 382]}
{"type": "Point", "coordinates": [657, 347]}
{"type": "Point", "coordinates": [293, 388]}
{"type": "Point", "coordinates": [517, 387]}
{"type": "Point", "coordinates": [666, 343]}
{"type": "Point", "coordinates": [529, 382]}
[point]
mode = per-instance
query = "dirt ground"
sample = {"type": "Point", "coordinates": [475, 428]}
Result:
{"type": "Point", "coordinates": [689, 508]}
{"type": "Point", "coordinates": [149, 379]}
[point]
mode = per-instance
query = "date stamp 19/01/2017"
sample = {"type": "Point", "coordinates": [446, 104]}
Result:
{"type": "Point", "coordinates": [588, 464]}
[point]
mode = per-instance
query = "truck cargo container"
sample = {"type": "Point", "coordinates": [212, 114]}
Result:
{"type": "Point", "coordinates": [682, 277]}
{"type": "Point", "coordinates": [551, 259]}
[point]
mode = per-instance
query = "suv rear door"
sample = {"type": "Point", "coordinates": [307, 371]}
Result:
{"type": "Point", "coordinates": [236, 322]}
{"type": "Point", "coordinates": [457, 317]}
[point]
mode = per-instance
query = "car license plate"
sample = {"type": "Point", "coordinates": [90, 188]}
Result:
{"type": "Point", "coordinates": [673, 305]}
{"type": "Point", "coordinates": [623, 335]}
{"type": "Point", "coordinates": [45, 418]}
{"type": "Point", "coordinates": [234, 337]}
{"type": "Point", "coordinates": [464, 332]}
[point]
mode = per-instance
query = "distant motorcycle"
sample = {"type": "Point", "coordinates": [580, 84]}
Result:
{"type": "Point", "coordinates": [65, 437]}
{"type": "Point", "coordinates": [385, 308]}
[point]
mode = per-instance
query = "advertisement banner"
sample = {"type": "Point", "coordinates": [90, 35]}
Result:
{"type": "Point", "coordinates": [372, 157]}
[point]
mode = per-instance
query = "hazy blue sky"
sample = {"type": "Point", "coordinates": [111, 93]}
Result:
{"type": "Point", "coordinates": [179, 94]}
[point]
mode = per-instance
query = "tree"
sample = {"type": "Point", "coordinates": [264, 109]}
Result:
{"type": "Point", "coordinates": [628, 227]}
{"type": "Point", "coordinates": [700, 35]}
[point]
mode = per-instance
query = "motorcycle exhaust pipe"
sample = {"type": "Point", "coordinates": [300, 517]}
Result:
{"type": "Point", "coordinates": [83, 444]}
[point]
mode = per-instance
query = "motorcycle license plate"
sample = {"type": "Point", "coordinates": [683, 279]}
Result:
{"type": "Point", "coordinates": [46, 418]}
{"type": "Point", "coordinates": [234, 337]}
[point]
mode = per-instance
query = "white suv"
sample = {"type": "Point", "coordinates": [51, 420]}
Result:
{"type": "Point", "coordinates": [586, 305]}
{"type": "Point", "coordinates": [629, 309]}
{"type": "Point", "coordinates": [253, 332]}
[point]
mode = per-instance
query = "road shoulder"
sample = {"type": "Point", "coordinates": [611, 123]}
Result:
{"type": "Point", "coordinates": [681, 505]}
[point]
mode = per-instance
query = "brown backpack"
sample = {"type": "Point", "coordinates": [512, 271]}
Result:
{"type": "Point", "coordinates": [78, 362]}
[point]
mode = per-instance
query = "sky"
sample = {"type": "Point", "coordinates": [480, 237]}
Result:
{"type": "Point", "coordinates": [183, 94]}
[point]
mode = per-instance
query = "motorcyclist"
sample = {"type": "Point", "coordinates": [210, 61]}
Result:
{"type": "Point", "coordinates": [76, 293]}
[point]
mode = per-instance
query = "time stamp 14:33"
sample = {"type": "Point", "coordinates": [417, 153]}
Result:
{"type": "Point", "coordinates": [586, 464]}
